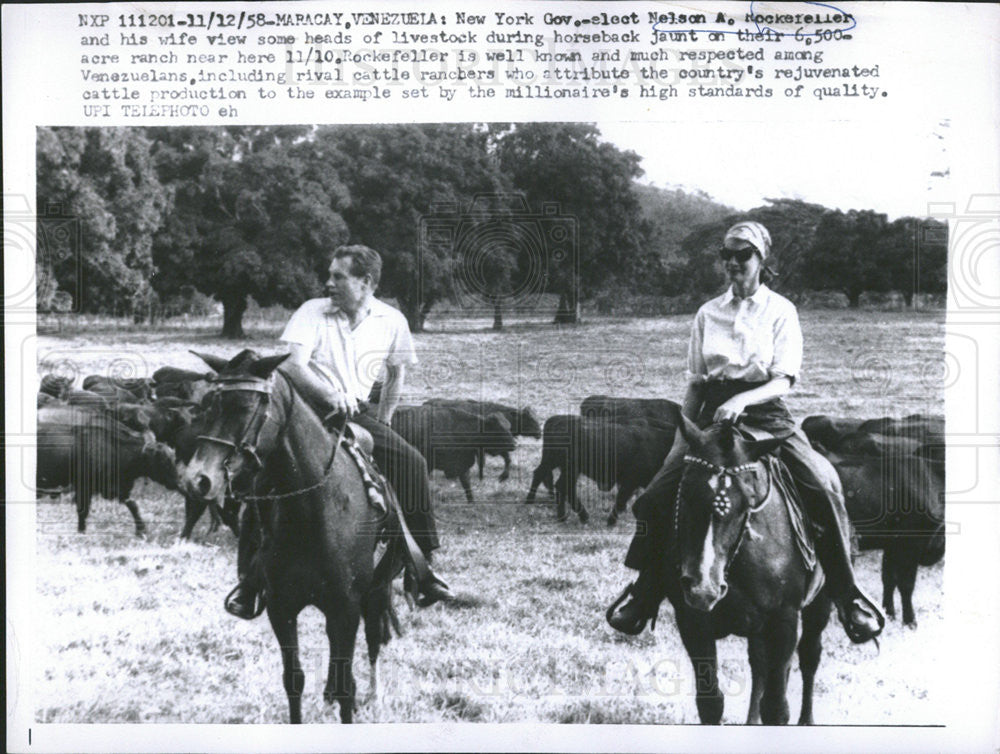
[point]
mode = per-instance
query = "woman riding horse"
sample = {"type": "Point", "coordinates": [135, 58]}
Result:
{"type": "Point", "coordinates": [745, 353]}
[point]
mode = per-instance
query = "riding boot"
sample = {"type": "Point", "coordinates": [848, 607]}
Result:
{"type": "Point", "coordinates": [643, 604]}
{"type": "Point", "coordinates": [246, 600]}
{"type": "Point", "coordinates": [824, 504]}
{"type": "Point", "coordinates": [648, 552]}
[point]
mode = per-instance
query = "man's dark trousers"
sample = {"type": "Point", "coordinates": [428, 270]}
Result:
{"type": "Point", "coordinates": [406, 470]}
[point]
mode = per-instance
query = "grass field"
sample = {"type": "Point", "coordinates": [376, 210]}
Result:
{"type": "Point", "coordinates": [134, 631]}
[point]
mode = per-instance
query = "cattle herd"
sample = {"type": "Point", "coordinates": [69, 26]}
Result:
{"type": "Point", "coordinates": [103, 436]}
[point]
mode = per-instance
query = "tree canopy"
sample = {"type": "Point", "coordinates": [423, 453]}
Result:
{"type": "Point", "coordinates": [103, 181]}
{"type": "Point", "coordinates": [480, 215]}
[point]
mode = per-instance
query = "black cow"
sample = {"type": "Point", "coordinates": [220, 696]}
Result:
{"type": "Point", "coordinates": [180, 383]}
{"type": "Point", "coordinates": [91, 452]}
{"type": "Point", "coordinates": [44, 399]}
{"type": "Point", "coordinates": [54, 385]}
{"type": "Point", "coordinates": [653, 410]}
{"type": "Point", "coordinates": [450, 438]}
{"type": "Point", "coordinates": [185, 423]}
{"type": "Point", "coordinates": [125, 390]}
{"type": "Point", "coordinates": [522, 422]}
{"type": "Point", "coordinates": [830, 433]}
{"type": "Point", "coordinates": [896, 502]}
{"type": "Point", "coordinates": [627, 454]}
{"type": "Point", "coordinates": [163, 420]}
{"type": "Point", "coordinates": [826, 432]}
{"type": "Point", "coordinates": [86, 399]}
{"type": "Point", "coordinates": [914, 426]}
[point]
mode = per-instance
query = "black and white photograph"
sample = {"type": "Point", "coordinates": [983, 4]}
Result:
{"type": "Point", "coordinates": [505, 426]}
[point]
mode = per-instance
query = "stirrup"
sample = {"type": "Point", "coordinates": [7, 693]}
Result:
{"type": "Point", "coordinates": [258, 606]}
{"type": "Point", "coordinates": [853, 633]}
{"type": "Point", "coordinates": [443, 593]}
{"type": "Point", "coordinates": [629, 591]}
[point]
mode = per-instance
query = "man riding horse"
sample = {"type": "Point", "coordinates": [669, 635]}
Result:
{"type": "Point", "coordinates": [745, 352]}
{"type": "Point", "coordinates": [339, 345]}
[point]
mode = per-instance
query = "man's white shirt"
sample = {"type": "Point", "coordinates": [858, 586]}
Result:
{"type": "Point", "coordinates": [351, 360]}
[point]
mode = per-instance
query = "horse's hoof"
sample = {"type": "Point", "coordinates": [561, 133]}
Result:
{"type": "Point", "coordinates": [584, 516]}
{"type": "Point", "coordinates": [504, 477]}
{"type": "Point", "coordinates": [141, 534]}
{"type": "Point", "coordinates": [612, 520]}
{"type": "Point", "coordinates": [911, 624]}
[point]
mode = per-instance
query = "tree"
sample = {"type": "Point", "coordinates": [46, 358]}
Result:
{"type": "Point", "coordinates": [792, 224]}
{"type": "Point", "coordinates": [564, 169]}
{"type": "Point", "coordinates": [112, 203]}
{"type": "Point", "coordinates": [672, 215]}
{"type": "Point", "coordinates": [254, 214]}
{"type": "Point", "coordinates": [402, 179]}
{"type": "Point", "coordinates": [916, 256]}
{"type": "Point", "coordinates": [850, 254]}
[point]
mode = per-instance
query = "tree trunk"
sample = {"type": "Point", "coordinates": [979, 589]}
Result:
{"type": "Point", "coordinates": [497, 315]}
{"type": "Point", "coordinates": [415, 314]}
{"type": "Point", "coordinates": [232, 317]}
{"type": "Point", "coordinates": [568, 312]}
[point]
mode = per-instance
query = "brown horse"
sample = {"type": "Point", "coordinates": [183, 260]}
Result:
{"type": "Point", "coordinates": [739, 572]}
{"type": "Point", "coordinates": [318, 530]}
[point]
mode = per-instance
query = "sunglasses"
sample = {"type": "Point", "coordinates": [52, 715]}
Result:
{"type": "Point", "coordinates": [740, 255]}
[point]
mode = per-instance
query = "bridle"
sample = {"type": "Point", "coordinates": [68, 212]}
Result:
{"type": "Point", "coordinates": [721, 505]}
{"type": "Point", "coordinates": [255, 428]}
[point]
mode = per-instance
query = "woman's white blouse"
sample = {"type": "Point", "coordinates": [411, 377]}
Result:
{"type": "Point", "coordinates": [751, 339]}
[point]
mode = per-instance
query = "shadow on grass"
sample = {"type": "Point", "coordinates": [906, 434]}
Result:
{"type": "Point", "coordinates": [468, 602]}
{"type": "Point", "coordinates": [459, 705]}
{"type": "Point", "coordinates": [589, 548]}
{"type": "Point", "coordinates": [556, 585]}
{"type": "Point", "coordinates": [594, 712]}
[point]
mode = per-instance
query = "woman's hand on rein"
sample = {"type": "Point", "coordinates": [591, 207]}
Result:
{"type": "Point", "coordinates": [729, 412]}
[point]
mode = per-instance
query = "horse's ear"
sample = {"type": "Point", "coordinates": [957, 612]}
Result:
{"type": "Point", "coordinates": [689, 430]}
{"type": "Point", "coordinates": [759, 448]}
{"type": "Point", "coordinates": [263, 367]}
{"type": "Point", "coordinates": [215, 362]}
{"type": "Point", "coordinates": [727, 436]}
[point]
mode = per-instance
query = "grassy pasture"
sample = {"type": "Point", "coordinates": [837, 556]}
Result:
{"type": "Point", "coordinates": [134, 631]}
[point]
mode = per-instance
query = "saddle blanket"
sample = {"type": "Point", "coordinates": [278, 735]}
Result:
{"type": "Point", "coordinates": [376, 490]}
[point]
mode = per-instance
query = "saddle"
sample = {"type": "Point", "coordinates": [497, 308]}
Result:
{"type": "Point", "coordinates": [361, 436]}
{"type": "Point", "coordinates": [358, 443]}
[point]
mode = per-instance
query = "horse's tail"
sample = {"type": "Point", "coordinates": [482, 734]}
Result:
{"type": "Point", "coordinates": [385, 572]}
{"type": "Point", "coordinates": [390, 621]}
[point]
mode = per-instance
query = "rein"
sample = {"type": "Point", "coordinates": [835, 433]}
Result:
{"type": "Point", "coordinates": [264, 388]}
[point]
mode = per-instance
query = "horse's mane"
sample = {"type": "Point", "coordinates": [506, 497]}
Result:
{"type": "Point", "coordinates": [296, 389]}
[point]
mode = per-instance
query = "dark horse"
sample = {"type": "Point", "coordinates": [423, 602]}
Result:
{"type": "Point", "coordinates": [318, 530]}
{"type": "Point", "coordinates": [740, 573]}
